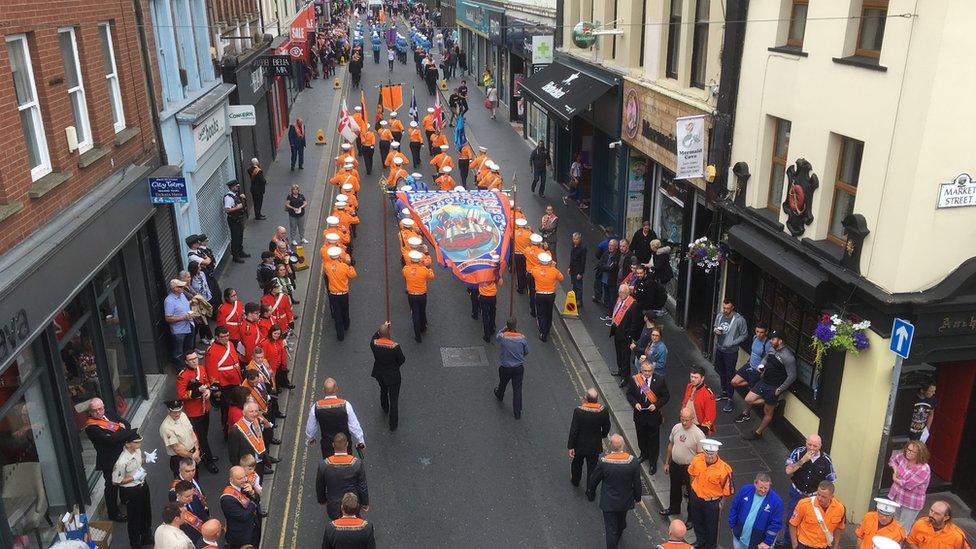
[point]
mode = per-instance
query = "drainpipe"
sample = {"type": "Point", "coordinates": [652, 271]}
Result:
{"type": "Point", "coordinates": [147, 70]}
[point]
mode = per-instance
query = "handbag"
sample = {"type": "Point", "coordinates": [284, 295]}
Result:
{"type": "Point", "coordinates": [488, 104]}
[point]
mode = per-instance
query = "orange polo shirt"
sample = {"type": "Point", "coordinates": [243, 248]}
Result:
{"type": "Point", "coordinates": [546, 278]}
{"type": "Point", "coordinates": [522, 239]}
{"type": "Point", "coordinates": [339, 274]}
{"type": "Point", "coordinates": [869, 528]}
{"type": "Point", "coordinates": [440, 160]}
{"type": "Point", "coordinates": [710, 481]}
{"type": "Point", "coordinates": [808, 531]}
{"type": "Point", "coordinates": [532, 257]}
{"type": "Point", "coordinates": [385, 134]}
{"type": "Point", "coordinates": [438, 139]}
{"type": "Point", "coordinates": [367, 138]}
{"type": "Point", "coordinates": [340, 161]}
{"type": "Point", "coordinates": [489, 289]}
{"type": "Point", "coordinates": [492, 181]}
{"type": "Point", "coordinates": [478, 161]}
{"type": "Point", "coordinates": [360, 120]}
{"type": "Point", "coordinates": [466, 152]}
{"type": "Point", "coordinates": [416, 276]}
{"type": "Point", "coordinates": [345, 217]}
{"type": "Point", "coordinates": [353, 201]}
{"type": "Point", "coordinates": [426, 261]}
{"type": "Point", "coordinates": [393, 154]}
{"type": "Point", "coordinates": [395, 175]}
{"type": "Point", "coordinates": [344, 177]}
{"type": "Point", "coordinates": [416, 136]}
{"type": "Point", "coordinates": [925, 537]}
{"type": "Point", "coordinates": [445, 182]}
{"type": "Point", "coordinates": [428, 122]}
{"type": "Point", "coordinates": [396, 125]}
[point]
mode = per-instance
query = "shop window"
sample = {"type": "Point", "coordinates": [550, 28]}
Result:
{"type": "Point", "coordinates": [870, 32]}
{"type": "Point", "coordinates": [117, 335]}
{"type": "Point", "coordinates": [669, 219]}
{"type": "Point", "coordinates": [784, 310]}
{"type": "Point", "coordinates": [845, 187]}
{"type": "Point", "coordinates": [699, 46]}
{"type": "Point", "coordinates": [778, 162]}
{"type": "Point", "coordinates": [674, 39]}
{"type": "Point", "coordinates": [798, 23]}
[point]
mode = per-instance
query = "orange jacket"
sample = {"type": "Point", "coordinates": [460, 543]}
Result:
{"type": "Point", "coordinates": [491, 181]}
{"type": "Point", "coordinates": [386, 134]}
{"type": "Point", "coordinates": [339, 274]}
{"type": "Point", "coordinates": [345, 217]}
{"type": "Point", "coordinates": [522, 239]}
{"type": "Point", "coordinates": [393, 154]}
{"type": "Point", "coordinates": [479, 161]}
{"type": "Point", "coordinates": [353, 201]}
{"type": "Point", "coordinates": [416, 136]}
{"type": "Point", "coordinates": [416, 277]}
{"type": "Point", "coordinates": [396, 125]}
{"type": "Point", "coordinates": [438, 139]}
{"type": "Point", "coordinates": [466, 152]}
{"type": "Point", "coordinates": [445, 182]}
{"type": "Point", "coordinates": [546, 277]}
{"type": "Point", "coordinates": [367, 138]}
{"type": "Point", "coordinates": [343, 232]}
{"type": "Point", "coordinates": [532, 257]}
{"type": "Point", "coordinates": [489, 289]}
{"type": "Point", "coordinates": [395, 175]}
{"type": "Point", "coordinates": [440, 160]}
{"type": "Point", "coordinates": [344, 177]}
{"type": "Point", "coordinates": [428, 122]}
{"type": "Point", "coordinates": [360, 120]}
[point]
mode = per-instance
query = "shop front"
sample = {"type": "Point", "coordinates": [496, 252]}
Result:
{"type": "Point", "coordinates": [77, 297]}
{"type": "Point", "coordinates": [520, 30]}
{"type": "Point", "coordinates": [481, 35]}
{"type": "Point", "coordinates": [250, 76]}
{"type": "Point", "coordinates": [583, 103]}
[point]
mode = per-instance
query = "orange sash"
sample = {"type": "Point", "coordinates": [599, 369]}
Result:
{"type": "Point", "coordinates": [384, 342]}
{"type": "Point", "coordinates": [592, 406]}
{"type": "Point", "coordinates": [191, 519]}
{"type": "Point", "coordinates": [619, 312]}
{"type": "Point", "coordinates": [648, 393]}
{"type": "Point", "coordinates": [255, 441]}
{"type": "Point", "coordinates": [343, 459]}
{"type": "Point", "coordinates": [104, 424]}
{"type": "Point", "coordinates": [238, 495]}
{"type": "Point", "coordinates": [258, 397]}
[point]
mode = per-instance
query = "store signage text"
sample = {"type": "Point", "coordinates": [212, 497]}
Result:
{"type": "Point", "coordinates": [690, 149]}
{"type": "Point", "coordinates": [648, 132]}
{"type": "Point", "coordinates": [959, 192]}
{"type": "Point", "coordinates": [167, 190]}
{"type": "Point", "coordinates": [208, 132]}
{"type": "Point", "coordinates": [13, 332]}
{"type": "Point", "coordinates": [242, 115]}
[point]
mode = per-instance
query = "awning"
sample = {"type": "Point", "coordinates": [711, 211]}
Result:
{"type": "Point", "coordinates": [774, 258]}
{"type": "Point", "coordinates": [563, 90]}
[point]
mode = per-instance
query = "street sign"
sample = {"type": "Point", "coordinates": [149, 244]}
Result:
{"type": "Point", "coordinates": [241, 115]}
{"type": "Point", "coordinates": [280, 65]}
{"type": "Point", "coordinates": [167, 190]}
{"type": "Point", "coordinates": [295, 51]}
{"type": "Point", "coordinates": [902, 332]}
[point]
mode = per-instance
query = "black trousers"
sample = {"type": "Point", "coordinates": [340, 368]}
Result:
{"type": "Point", "coordinates": [390, 402]}
{"type": "Point", "coordinates": [257, 197]}
{"type": "Point", "coordinates": [111, 493]}
{"type": "Point", "coordinates": [488, 305]}
{"type": "Point", "coordinates": [236, 236]}
{"type": "Point", "coordinates": [368, 158]}
{"type": "Point", "coordinates": [201, 427]}
{"type": "Point", "coordinates": [384, 149]}
{"type": "Point", "coordinates": [576, 467]}
{"type": "Point", "coordinates": [520, 274]}
{"type": "Point", "coordinates": [530, 282]}
{"type": "Point", "coordinates": [678, 475]}
{"type": "Point", "coordinates": [418, 313]}
{"type": "Point", "coordinates": [339, 305]}
{"type": "Point", "coordinates": [543, 308]}
{"type": "Point", "coordinates": [515, 375]}
{"type": "Point", "coordinates": [623, 353]}
{"type": "Point", "coordinates": [397, 135]}
{"type": "Point", "coordinates": [648, 429]}
{"type": "Point", "coordinates": [415, 147]}
{"type": "Point", "coordinates": [474, 296]}
{"type": "Point", "coordinates": [614, 523]}
{"type": "Point", "coordinates": [463, 165]}
{"type": "Point", "coordinates": [705, 515]}
{"type": "Point", "coordinates": [139, 511]}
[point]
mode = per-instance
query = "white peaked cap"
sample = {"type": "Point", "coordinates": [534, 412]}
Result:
{"type": "Point", "coordinates": [545, 258]}
{"type": "Point", "coordinates": [495, 167]}
{"type": "Point", "coordinates": [430, 109]}
{"type": "Point", "coordinates": [444, 147]}
{"type": "Point", "coordinates": [886, 506]}
{"type": "Point", "coordinates": [416, 175]}
{"type": "Point", "coordinates": [340, 205]}
{"type": "Point", "coordinates": [415, 241]}
{"type": "Point", "coordinates": [332, 237]}
{"type": "Point", "coordinates": [346, 146]}
{"type": "Point", "coordinates": [332, 220]}
{"type": "Point", "coordinates": [459, 189]}
{"type": "Point", "coordinates": [383, 122]}
{"type": "Point", "coordinates": [406, 188]}
{"type": "Point", "coordinates": [482, 149]}
{"type": "Point", "coordinates": [415, 255]}
{"type": "Point", "coordinates": [535, 238]}
{"type": "Point", "coordinates": [347, 186]}
{"type": "Point", "coordinates": [342, 198]}
{"type": "Point", "coordinates": [446, 169]}
{"type": "Point", "coordinates": [413, 124]}
{"type": "Point", "coordinates": [710, 445]}
{"type": "Point", "coordinates": [398, 160]}
{"type": "Point", "coordinates": [407, 222]}
{"type": "Point", "coordinates": [521, 222]}
{"type": "Point", "coordinates": [511, 202]}
{"type": "Point", "coordinates": [347, 166]}
{"type": "Point", "coordinates": [881, 542]}
{"type": "Point", "coordinates": [393, 114]}
{"type": "Point", "coordinates": [335, 251]}
{"type": "Point", "coordinates": [349, 159]}
{"type": "Point", "coordinates": [405, 211]}
{"type": "Point", "coordinates": [395, 144]}
{"type": "Point", "coordinates": [358, 108]}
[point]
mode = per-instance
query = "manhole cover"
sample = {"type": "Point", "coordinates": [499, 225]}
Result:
{"type": "Point", "coordinates": [463, 357]}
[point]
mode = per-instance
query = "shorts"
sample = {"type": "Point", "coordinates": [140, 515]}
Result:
{"type": "Point", "coordinates": [766, 391]}
{"type": "Point", "coordinates": [749, 374]}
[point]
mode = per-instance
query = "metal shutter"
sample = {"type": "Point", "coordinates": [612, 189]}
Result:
{"type": "Point", "coordinates": [210, 200]}
{"type": "Point", "coordinates": [169, 252]}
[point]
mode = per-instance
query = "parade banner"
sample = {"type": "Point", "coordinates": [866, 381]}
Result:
{"type": "Point", "coordinates": [391, 95]}
{"type": "Point", "coordinates": [466, 230]}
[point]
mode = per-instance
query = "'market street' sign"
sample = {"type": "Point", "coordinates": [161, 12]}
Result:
{"type": "Point", "coordinates": [959, 192]}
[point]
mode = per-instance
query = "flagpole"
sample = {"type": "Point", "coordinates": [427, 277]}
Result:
{"type": "Point", "coordinates": [386, 254]}
{"type": "Point", "coordinates": [511, 249]}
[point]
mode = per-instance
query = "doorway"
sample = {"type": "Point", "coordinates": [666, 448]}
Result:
{"type": "Point", "coordinates": [953, 439]}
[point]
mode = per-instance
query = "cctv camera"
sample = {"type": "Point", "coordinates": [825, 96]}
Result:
{"type": "Point", "coordinates": [615, 144]}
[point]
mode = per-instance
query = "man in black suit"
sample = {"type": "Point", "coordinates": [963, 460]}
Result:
{"type": "Point", "coordinates": [240, 510]}
{"type": "Point", "coordinates": [607, 265]}
{"type": "Point", "coordinates": [108, 433]}
{"type": "Point", "coordinates": [591, 423]}
{"type": "Point", "coordinates": [349, 531]}
{"type": "Point", "coordinates": [647, 394]}
{"type": "Point", "coordinates": [626, 323]}
{"type": "Point", "coordinates": [620, 474]}
{"type": "Point", "coordinates": [387, 359]}
{"type": "Point", "coordinates": [340, 474]}
{"type": "Point", "coordinates": [247, 437]}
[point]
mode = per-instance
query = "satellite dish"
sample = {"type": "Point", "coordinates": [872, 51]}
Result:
{"type": "Point", "coordinates": [583, 36]}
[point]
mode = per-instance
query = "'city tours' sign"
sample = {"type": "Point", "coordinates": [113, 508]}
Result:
{"type": "Point", "coordinates": [958, 193]}
{"type": "Point", "coordinates": [242, 115]}
{"type": "Point", "coordinates": [208, 132]}
{"type": "Point", "coordinates": [168, 190]}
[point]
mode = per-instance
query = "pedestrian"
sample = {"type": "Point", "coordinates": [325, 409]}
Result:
{"type": "Point", "coordinates": [176, 309]}
{"type": "Point", "coordinates": [880, 522]}
{"type": "Point", "coordinates": [621, 490]}
{"type": "Point", "coordinates": [491, 100]}
{"type": "Point", "coordinates": [170, 534]}
{"type": "Point", "coordinates": [819, 520]}
{"type": "Point", "coordinates": [754, 514]}
{"type": "Point", "coordinates": [486, 79]}
{"type": "Point", "coordinates": [295, 204]}
{"type": "Point", "coordinates": [387, 360]}
{"type": "Point", "coordinates": [349, 530]}
{"type": "Point", "coordinates": [258, 185]}
{"type": "Point", "coordinates": [513, 347]}
{"type": "Point", "coordinates": [676, 536]}
{"type": "Point", "coordinates": [748, 374]}
{"type": "Point", "coordinates": [684, 443]}
{"type": "Point", "coordinates": [239, 504]}
{"type": "Point", "coordinates": [108, 433]}
{"type": "Point", "coordinates": [590, 425]}
{"type": "Point", "coordinates": [540, 161]}
{"type": "Point", "coordinates": [389, 58]}
{"type": "Point", "coordinates": [577, 266]}
{"type": "Point", "coordinates": [330, 416]}
{"type": "Point", "coordinates": [247, 437]}
{"type": "Point", "coordinates": [700, 400]}
{"type": "Point", "coordinates": [194, 513]}
{"type": "Point", "coordinates": [647, 394]}
{"type": "Point", "coordinates": [910, 477]}
{"type": "Point", "coordinates": [777, 372]}
{"type": "Point", "coordinates": [340, 474]}
{"type": "Point", "coordinates": [937, 530]}
{"type": "Point", "coordinates": [296, 140]}
{"type": "Point", "coordinates": [130, 477]}
{"type": "Point", "coordinates": [236, 210]}
{"type": "Point", "coordinates": [730, 330]}
{"type": "Point", "coordinates": [711, 484]}
{"type": "Point", "coordinates": [807, 466]}
{"type": "Point", "coordinates": [575, 181]}
{"type": "Point", "coordinates": [640, 243]}
{"type": "Point", "coordinates": [548, 226]}
{"type": "Point", "coordinates": [923, 412]}
{"type": "Point", "coordinates": [177, 434]}
{"type": "Point", "coordinates": [487, 304]}
{"type": "Point", "coordinates": [338, 272]}
{"type": "Point", "coordinates": [545, 277]}
{"type": "Point", "coordinates": [625, 326]}
{"type": "Point", "coordinates": [608, 261]}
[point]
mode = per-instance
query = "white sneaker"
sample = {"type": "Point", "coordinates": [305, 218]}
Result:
{"type": "Point", "coordinates": [294, 243]}
{"type": "Point", "coordinates": [304, 241]}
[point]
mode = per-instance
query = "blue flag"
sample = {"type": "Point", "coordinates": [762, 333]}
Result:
{"type": "Point", "coordinates": [413, 106]}
{"type": "Point", "coordinates": [459, 138]}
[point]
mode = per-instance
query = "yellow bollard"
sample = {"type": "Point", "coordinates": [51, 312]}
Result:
{"type": "Point", "coordinates": [443, 85]}
{"type": "Point", "coordinates": [301, 264]}
{"type": "Point", "coordinates": [337, 83]}
{"type": "Point", "coordinates": [570, 309]}
{"type": "Point", "coordinates": [320, 137]}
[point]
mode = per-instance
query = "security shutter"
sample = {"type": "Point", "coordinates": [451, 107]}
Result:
{"type": "Point", "coordinates": [210, 204]}
{"type": "Point", "coordinates": [169, 252]}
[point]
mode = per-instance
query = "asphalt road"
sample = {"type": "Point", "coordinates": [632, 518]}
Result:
{"type": "Point", "coordinates": [460, 471]}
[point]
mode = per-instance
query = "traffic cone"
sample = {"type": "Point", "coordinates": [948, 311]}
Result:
{"type": "Point", "coordinates": [443, 85]}
{"type": "Point", "coordinates": [336, 84]}
{"type": "Point", "coordinates": [301, 265]}
{"type": "Point", "coordinates": [570, 308]}
{"type": "Point", "coordinates": [320, 137]}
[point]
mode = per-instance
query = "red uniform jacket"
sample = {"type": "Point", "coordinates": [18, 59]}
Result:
{"type": "Point", "coordinates": [281, 310]}
{"type": "Point", "coordinates": [704, 407]}
{"type": "Point", "coordinates": [230, 316]}
{"type": "Point", "coordinates": [194, 406]}
{"type": "Point", "coordinates": [250, 338]}
{"type": "Point", "coordinates": [223, 364]}
{"type": "Point", "coordinates": [275, 352]}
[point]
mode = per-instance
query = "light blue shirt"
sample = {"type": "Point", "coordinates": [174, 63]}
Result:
{"type": "Point", "coordinates": [760, 347]}
{"type": "Point", "coordinates": [746, 535]}
{"type": "Point", "coordinates": [177, 305]}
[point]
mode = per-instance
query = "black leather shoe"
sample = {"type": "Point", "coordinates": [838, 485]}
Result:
{"type": "Point", "coordinates": [264, 514]}
{"type": "Point", "coordinates": [212, 468]}
{"type": "Point", "coordinates": [268, 471]}
{"type": "Point", "coordinates": [272, 459]}
{"type": "Point", "coordinates": [667, 512]}
{"type": "Point", "coordinates": [281, 415]}
{"type": "Point", "coordinates": [245, 255]}
{"type": "Point", "coordinates": [518, 415]}
{"type": "Point", "coordinates": [289, 386]}
{"type": "Point", "coordinates": [238, 260]}
{"type": "Point", "coordinates": [653, 469]}
{"type": "Point", "coordinates": [277, 442]}
{"type": "Point", "coordinates": [260, 217]}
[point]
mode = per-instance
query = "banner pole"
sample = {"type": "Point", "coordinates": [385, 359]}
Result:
{"type": "Point", "coordinates": [386, 254]}
{"type": "Point", "coordinates": [511, 250]}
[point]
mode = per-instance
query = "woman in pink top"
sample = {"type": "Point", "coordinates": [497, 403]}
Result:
{"type": "Point", "coordinates": [911, 476]}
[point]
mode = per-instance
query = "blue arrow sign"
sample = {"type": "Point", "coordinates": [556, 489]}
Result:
{"type": "Point", "coordinates": [902, 332]}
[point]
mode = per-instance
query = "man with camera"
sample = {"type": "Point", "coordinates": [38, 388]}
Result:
{"type": "Point", "coordinates": [193, 388]}
{"type": "Point", "coordinates": [236, 210]}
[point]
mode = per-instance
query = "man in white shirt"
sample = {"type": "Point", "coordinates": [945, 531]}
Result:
{"type": "Point", "coordinates": [130, 477]}
{"type": "Point", "coordinates": [168, 535]}
{"type": "Point", "coordinates": [330, 416]}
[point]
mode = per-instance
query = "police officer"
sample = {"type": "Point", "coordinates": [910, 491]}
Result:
{"type": "Point", "coordinates": [416, 276]}
{"type": "Point", "coordinates": [330, 416]}
{"type": "Point", "coordinates": [647, 394]}
{"type": "Point", "coordinates": [177, 434]}
{"type": "Point", "coordinates": [349, 530]}
{"type": "Point", "coordinates": [880, 522]}
{"type": "Point", "coordinates": [236, 210]}
{"type": "Point", "coordinates": [591, 424]}
{"type": "Point", "coordinates": [711, 483]}
{"type": "Point", "coordinates": [130, 477]}
{"type": "Point", "coordinates": [338, 475]}
{"type": "Point", "coordinates": [108, 433]}
{"type": "Point", "coordinates": [619, 472]}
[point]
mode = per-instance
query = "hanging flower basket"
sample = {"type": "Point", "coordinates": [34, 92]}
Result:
{"type": "Point", "coordinates": [833, 332]}
{"type": "Point", "coordinates": [705, 253]}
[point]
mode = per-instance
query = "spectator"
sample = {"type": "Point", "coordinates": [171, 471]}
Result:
{"type": "Point", "coordinates": [176, 309]}
{"type": "Point", "coordinates": [577, 267]}
{"type": "Point", "coordinates": [923, 412]}
{"type": "Point", "coordinates": [606, 275]}
{"type": "Point", "coordinates": [296, 204]}
{"type": "Point", "coordinates": [730, 330]}
{"type": "Point", "coordinates": [754, 514]}
{"type": "Point", "coordinates": [575, 180]}
{"type": "Point", "coordinates": [548, 226]}
{"type": "Point", "coordinates": [937, 530]}
{"type": "Point", "coordinates": [910, 479]}
{"type": "Point", "coordinates": [491, 100]}
{"type": "Point", "coordinates": [539, 161]}
{"type": "Point", "coordinates": [296, 140]}
{"type": "Point", "coordinates": [258, 184]}
{"type": "Point", "coordinates": [200, 290]}
{"type": "Point", "coordinates": [169, 535]}
{"type": "Point", "coordinates": [640, 243]}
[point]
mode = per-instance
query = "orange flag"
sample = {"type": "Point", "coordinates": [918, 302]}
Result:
{"type": "Point", "coordinates": [392, 96]}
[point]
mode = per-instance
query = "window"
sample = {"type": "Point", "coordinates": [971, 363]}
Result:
{"type": "Point", "coordinates": [112, 76]}
{"type": "Point", "coordinates": [76, 87]}
{"type": "Point", "coordinates": [798, 23]}
{"type": "Point", "coordinates": [31, 123]}
{"type": "Point", "coordinates": [674, 39]}
{"type": "Point", "coordinates": [778, 163]}
{"type": "Point", "coordinates": [870, 33]}
{"type": "Point", "coordinates": [845, 187]}
{"type": "Point", "coordinates": [699, 49]}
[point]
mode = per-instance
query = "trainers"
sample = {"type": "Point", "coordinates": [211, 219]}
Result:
{"type": "Point", "coordinates": [605, 318]}
{"type": "Point", "coordinates": [722, 397]}
{"type": "Point", "coordinates": [728, 408]}
{"type": "Point", "coordinates": [304, 241]}
{"type": "Point", "coordinates": [743, 417]}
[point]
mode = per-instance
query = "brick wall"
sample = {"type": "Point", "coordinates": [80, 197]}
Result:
{"type": "Point", "coordinates": [40, 20]}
